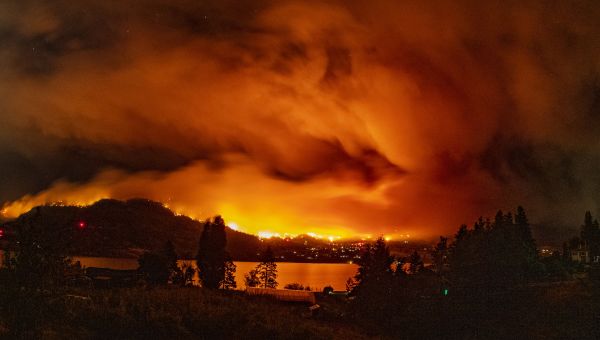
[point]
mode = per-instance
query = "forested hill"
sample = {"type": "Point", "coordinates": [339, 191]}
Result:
{"type": "Point", "coordinates": [127, 228]}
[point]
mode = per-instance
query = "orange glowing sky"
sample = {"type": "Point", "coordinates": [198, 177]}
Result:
{"type": "Point", "coordinates": [339, 118]}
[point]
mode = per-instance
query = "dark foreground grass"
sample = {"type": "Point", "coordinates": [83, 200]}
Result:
{"type": "Point", "coordinates": [569, 310]}
{"type": "Point", "coordinates": [566, 311]}
{"type": "Point", "coordinates": [180, 313]}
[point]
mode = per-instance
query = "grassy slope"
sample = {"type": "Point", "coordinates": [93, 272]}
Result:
{"type": "Point", "coordinates": [187, 313]}
{"type": "Point", "coordinates": [560, 312]}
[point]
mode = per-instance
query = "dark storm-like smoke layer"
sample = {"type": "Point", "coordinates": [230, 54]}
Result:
{"type": "Point", "coordinates": [338, 117]}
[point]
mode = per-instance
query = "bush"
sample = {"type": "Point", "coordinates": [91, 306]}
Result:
{"type": "Point", "coordinates": [158, 268]}
{"type": "Point", "coordinates": [327, 290]}
{"type": "Point", "coordinates": [294, 286]}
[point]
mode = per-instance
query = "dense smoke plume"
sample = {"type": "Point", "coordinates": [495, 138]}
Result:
{"type": "Point", "coordinates": [336, 117]}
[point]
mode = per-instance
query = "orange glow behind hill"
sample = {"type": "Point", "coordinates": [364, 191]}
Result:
{"type": "Point", "coordinates": [273, 227]}
{"type": "Point", "coordinates": [338, 118]}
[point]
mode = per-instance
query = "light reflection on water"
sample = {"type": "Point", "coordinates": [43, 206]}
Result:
{"type": "Point", "coordinates": [315, 275]}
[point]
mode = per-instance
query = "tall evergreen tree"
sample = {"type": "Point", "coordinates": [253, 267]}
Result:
{"type": "Point", "coordinates": [212, 255]}
{"type": "Point", "coordinates": [416, 263]}
{"type": "Point", "coordinates": [595, 242]}
{"type": "Point", "coordinates": [499, 219]}
{"type": "Point", "coordinates": [154, 268]}
{"type": "Point", "coordinates": [158, 267]}
{"type": "Point", "coordinates": [229, 279]}
{"type": "Point", "coordinates": [440, 259]}
{"type": "Point", "coordinates": [439, 254]}
{"type": "Point", "coordinates": [171, 257]}
{"type": "Point", "coordinates": [496, 255]}
{"type": "Point", "coordinates": [35, 274]}
{"type": "Point", "coordinates": [375, 281]}
{"type": "Point", "coordinates": [375, 264]}
{"type": "Point", "coordinates": [590, 235]}
{"type": "Point", "coordinates": [587, 227]}
{"type": "Point", "coordinates": [266, 270]}
{"type": "Point", "coordinates": [524, 230]}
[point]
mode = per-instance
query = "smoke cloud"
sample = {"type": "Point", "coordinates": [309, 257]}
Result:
{"type": "Point", "coordinates": [336, 117]}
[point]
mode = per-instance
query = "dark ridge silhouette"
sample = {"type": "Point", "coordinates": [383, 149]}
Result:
{"type": "Point", "coordinates": [116, 228]}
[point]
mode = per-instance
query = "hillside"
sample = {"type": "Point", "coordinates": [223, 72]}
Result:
{"type": "Point", "coordinates": [127, 228]}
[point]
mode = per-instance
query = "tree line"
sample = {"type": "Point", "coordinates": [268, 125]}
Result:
{"type": "Point", "coordinates": [215, 267]}
{"type": "Point", "coordinates": [484, 271]}
{"type": "Point", "coordinates": [41, 259]}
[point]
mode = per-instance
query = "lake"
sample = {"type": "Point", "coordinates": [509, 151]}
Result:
{"type": "Point", "coordinates": [315, 275]}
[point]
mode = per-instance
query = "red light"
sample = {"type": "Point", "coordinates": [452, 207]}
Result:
{"type": "Point", "coordinates": [1, 233]}
{"type": "Point", "coordinates": [81, 225]}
